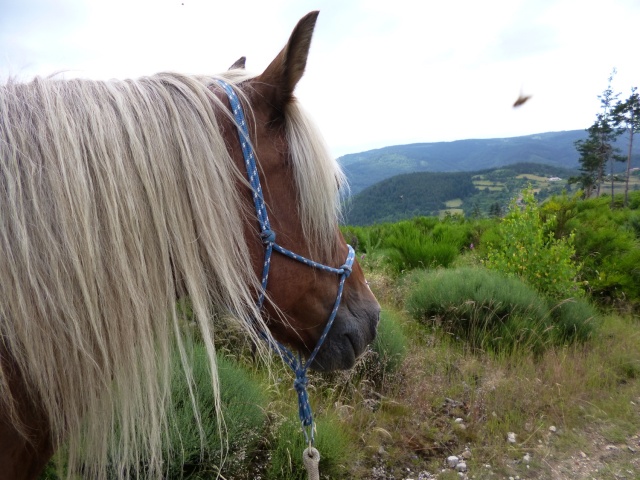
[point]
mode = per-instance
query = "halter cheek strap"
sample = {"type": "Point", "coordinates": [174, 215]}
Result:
{"type": "Point", "coordinates": [268, 237]}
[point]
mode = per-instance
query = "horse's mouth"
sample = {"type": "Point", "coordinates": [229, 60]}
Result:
{"type": "Point", "coordinates": [345, 343]}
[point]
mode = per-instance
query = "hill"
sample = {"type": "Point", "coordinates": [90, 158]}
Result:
{"type": "Point", "coordinates": [480, 193]}
{"type": "Point", "coordinates": [553, 148]}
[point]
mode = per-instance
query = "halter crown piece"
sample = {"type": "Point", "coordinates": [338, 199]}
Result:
{"type": "Point", "coordinates": [268, 236]}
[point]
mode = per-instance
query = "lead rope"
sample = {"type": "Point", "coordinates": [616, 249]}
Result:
{"type": "Point", "coordinates": [311, 460]}
{"type": "Point", "coordinates": [310, 456]}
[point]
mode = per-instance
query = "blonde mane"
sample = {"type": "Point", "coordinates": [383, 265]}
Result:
{"type": "Point", "coordinates": [115, 197]}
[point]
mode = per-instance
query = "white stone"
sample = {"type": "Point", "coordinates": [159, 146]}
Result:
{"type": "Point", "coordinates": [452, 461]}
{"type": "Point", "coordinates": [461, 467]}
{"type": "Point", "coordinates": [466, 454]}
{"type": "Point", "coordinates": [459, 420]}
{"type": "Point", "coordinates": [552, 429]}
{"type": "Point", "coordinates": [526, 458]}
{"type": "Point", "coordinates": [511, 437]}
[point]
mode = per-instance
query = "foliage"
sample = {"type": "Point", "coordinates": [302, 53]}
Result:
{"type": "Point", "coordinates": [390, 344]}
{"type": "Point", "coordinates": [599, 148]}
{"type": "Point", "coordinates": [608, 248]}
{"type": "Point", "coordinates": [423, 242]}
{"type": "Point", "coordinates": [528, 249]}
{"type": "Point", "coordinates": [406, 196]}
{"type": "Point", "coordinates": [243, 402]}
{"type": "Point", "coordinates": [627, 117]}
{"type": "Point", "coordinates": [426, 193]}
{"type": "Point", "coordinates": [493, 312]}
{"type": "Point", "coordinates": [287, 445]}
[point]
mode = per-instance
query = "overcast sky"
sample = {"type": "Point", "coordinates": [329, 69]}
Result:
{"type": "Point", "coordinates": [380, 72]}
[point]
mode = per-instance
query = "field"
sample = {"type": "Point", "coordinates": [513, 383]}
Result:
{"type": "Point", "coordinates": [453, 207]}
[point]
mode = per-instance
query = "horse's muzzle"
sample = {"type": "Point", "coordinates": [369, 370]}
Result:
{"type": "Point", "coordinates": [354, 329]}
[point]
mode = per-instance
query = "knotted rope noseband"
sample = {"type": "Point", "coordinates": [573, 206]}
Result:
{"type": "Point", "coordinates": [268, 236]}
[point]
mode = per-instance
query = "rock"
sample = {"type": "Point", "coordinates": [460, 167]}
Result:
{"type": "Point", "coordinates": [458, 420]}
{"type": "Point", "coordinates": [452, 461]}
{"type": "Point", "coordinates": [553, 429]}
{"type": "Point", "coordinates": [511, 437]}
{"type": "Point", "coordinates": [466, 454]}
{"type": "Point", "coordinates": [526, 459]}
{"type": "Point", "coordinates": [461, 467]}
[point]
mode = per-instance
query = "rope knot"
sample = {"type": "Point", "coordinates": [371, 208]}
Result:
{"type": "Point", "coordinates": [300, 386]}
{"type": "Point", "coordinates": [346, 270]}
{"type": "Point", "coordinates": [301, 382]}
{"type": "Point", "coordinates": [268, 236]}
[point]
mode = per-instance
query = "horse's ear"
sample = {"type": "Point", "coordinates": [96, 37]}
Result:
{"type": "Point", "coordinates": [239, 64]}
{"type": "Point", "coordinates": [279, 79]}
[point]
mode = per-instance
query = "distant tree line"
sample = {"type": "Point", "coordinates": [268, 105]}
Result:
{"type": "Point", "coordinates": [598, 152]}
{"type": "Point", "coordinates": [407, 196]}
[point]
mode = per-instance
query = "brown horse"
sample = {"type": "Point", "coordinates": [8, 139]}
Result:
{"type": "Point", "coordinates": [116, 197]}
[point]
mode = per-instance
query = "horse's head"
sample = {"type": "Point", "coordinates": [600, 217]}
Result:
{"type": "Point", "coordinates": [300, 182]}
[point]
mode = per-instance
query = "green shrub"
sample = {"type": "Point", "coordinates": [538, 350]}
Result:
{"type": "Point", "coordinates": [574, 319]}
{"type": "Point", "coordinates": [287, 445]}
{"type": "Point", "coordinates": [491, 311]}
{"type": "Point", "coordinates": [528, 249]}
{"type": "Point", "coordinates": [243, 401]}
{"type": "Point", "coordinates": [423, 242]}
{"type": "Point", "coordinates": [390, 344]}
{"type": "Point", "coordinates": [609, 251]}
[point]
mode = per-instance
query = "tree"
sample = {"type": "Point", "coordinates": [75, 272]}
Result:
{"type": "Point", "coordinates": [528, 249]}
{"type": "Point", "coordinates": [598, 149]}
{"type": "Point", "coordinates": [589, 162]}
{"type": "Point", "coordinates": [608, 130]}
{"type": "Point", "coordinates": [627, 116]}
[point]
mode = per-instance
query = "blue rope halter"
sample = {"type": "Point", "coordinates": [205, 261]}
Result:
{"type": "Point", "coordinates": [268, 236]}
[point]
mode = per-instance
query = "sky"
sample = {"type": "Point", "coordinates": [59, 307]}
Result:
{"type": "Point", "coordinates": [380, 72]}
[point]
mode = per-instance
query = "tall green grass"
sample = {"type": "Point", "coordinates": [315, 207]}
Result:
{"type": "Point", "coordinates": [287, 445]}
{"type": "Point", "coordinates": [243, 405]}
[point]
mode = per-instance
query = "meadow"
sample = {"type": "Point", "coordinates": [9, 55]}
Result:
{"type": "Point", "coordinates": [523, 328]}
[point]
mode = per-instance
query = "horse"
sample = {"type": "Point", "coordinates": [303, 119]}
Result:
{"type": "Point", "coordinates": [119, 197]}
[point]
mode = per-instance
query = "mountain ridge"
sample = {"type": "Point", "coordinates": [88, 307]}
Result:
{"type": "Point", "coordinates": [367, 168]}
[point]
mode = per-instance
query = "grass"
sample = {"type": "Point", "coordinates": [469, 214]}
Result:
{"type": "Point", "coordinates": [395, 412]}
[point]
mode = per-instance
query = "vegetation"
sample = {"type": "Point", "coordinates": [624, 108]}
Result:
{"type": "Point", "coordinates": [470, 347]}
{"type": "Point", "coordinates": [525, 246]}
{"type": "Point", "coordinates": [473, 194]}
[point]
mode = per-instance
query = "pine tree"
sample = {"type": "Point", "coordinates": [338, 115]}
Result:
{"type": "Point", "coordinates": [598, 149]}
{"type": "Point", "coordinates": [627, 116]}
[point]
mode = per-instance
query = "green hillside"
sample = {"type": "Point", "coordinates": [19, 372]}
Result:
{"type": "Point", "coordinates": [553, 148]}
{"type": "Point", "coordinates": [479, 193]}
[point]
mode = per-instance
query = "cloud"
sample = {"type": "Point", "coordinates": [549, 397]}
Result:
{"type": "Point", "coordinates": [379, 72]}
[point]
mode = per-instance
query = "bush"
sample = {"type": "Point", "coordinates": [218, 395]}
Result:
{"type": "Point", "coordinates": [390, 344]}
{"type": "Point", "coordinates": [243, 402]}
{"type": "Point", "coordinates": [528, 249]}
{"type": "Point", "coordinates": [423, 242]}
{"type": "Point", "coordinates": [607, 246]}
{"type": "Point", "coordinates": [574, 319]}
{"type": "Point", "coordinates": [493, 312]}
